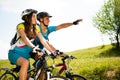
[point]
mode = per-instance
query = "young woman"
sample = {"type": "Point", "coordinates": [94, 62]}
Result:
{"type": "Point", "coordinates": [26, 32]}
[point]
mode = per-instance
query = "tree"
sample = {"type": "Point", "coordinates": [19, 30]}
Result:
{"type": "Point", "coordinates": [107, 20]}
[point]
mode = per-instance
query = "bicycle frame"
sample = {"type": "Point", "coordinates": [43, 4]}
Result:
{"type": "Point", "coordinates": [63, 66]}
{"type": "Point", "coordinates": [38, 70]}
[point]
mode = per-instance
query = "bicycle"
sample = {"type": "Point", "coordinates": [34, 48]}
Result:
{"type": "Point", "coordinates": [12, 74]}
{"type": "Point", "coordinates": [65, 68]}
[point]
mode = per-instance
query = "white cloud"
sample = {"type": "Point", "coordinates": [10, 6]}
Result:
{"type": "Point", "coordinates": [19, 5]}
{"type": "Point", "coordinates": [52, 6]}
{"type": "Point", "coordinates": [4, 47]}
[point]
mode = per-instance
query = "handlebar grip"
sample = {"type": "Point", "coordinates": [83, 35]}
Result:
{"type": "Point", "coordinates": [73, 57]}
{"type": "Point", "coordinates": [38, 50]}
{"type": "Point", "coordinates": [52, 56]}
{"type": "Point", "coordinates": [65, 57]}
{"type": "Point", "coordinates": [44, 52]}
{"type": "Point", "coordinates": [61, 52]}
{"type": "Point", "coordinates": [57, 52]}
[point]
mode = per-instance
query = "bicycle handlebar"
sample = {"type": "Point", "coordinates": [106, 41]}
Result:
{"type": "Point", "coordinates": [66, 57]}
{"type": "Point", "coordinates": [38, 50]}
{"type": "Point", "coordinates": [45, 53]}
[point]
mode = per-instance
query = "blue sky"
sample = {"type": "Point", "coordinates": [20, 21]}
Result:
{"type": "Point", "coordinates": [75, 37]}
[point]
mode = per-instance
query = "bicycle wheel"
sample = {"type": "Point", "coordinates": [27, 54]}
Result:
{"type": "Point", "coordinates": [8, 76]}
{"type": "Point", "coordinates": [58, 78]}
{"type": "Point", "coordinates": [77, 77]}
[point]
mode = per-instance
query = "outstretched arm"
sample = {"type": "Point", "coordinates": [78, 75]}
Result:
{"type": "Point", "coordinates": [65, 25]}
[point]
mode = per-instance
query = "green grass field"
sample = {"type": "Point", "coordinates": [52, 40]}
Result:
{"type": "Point", "coordinates": [97, 63]}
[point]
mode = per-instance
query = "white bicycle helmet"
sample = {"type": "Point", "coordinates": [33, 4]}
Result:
{"type": "Point", "coordinates": [27, 12]}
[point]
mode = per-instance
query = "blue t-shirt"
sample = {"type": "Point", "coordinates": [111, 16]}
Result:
{"type": "Point", "coordinates": [50, 29]}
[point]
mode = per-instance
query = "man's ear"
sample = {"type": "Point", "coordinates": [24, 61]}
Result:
{"type": "Point", "coordinates": [41, 19]}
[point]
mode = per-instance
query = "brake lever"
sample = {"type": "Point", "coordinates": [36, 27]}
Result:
{"type": "Point", "coordinates": [73, 57]}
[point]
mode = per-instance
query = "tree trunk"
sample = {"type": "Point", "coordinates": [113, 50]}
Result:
{"type": "Point", "coordinates": [117, 37]}
{"type": "Point", "coordinates": [117, 44]}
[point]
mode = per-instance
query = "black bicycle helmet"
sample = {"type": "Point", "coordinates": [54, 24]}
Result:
{"type": "Point", "coordinates": [42, 15]}
{"type": "Point", "coordinates": [27, 12]}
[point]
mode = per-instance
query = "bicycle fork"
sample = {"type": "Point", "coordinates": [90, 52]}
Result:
{"type": "Point", "coordinates": [49, 75]}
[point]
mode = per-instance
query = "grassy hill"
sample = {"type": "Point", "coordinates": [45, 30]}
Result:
{"type": "Point", "coordinates": [96, 63]}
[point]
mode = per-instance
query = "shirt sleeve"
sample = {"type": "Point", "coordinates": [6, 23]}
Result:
{"type": "Point", "coordinates": [52, 28]}
{"type": "Point", "coordinates": [37, 29]}
{"type": "Point", "coordinates": [20, 26]}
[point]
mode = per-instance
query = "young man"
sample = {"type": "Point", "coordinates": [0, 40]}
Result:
{"type": "Point", "coordinates": [43, 18]}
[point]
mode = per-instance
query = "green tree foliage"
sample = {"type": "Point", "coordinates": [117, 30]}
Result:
{"type": "Point", "coordinates": [107, 20]}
